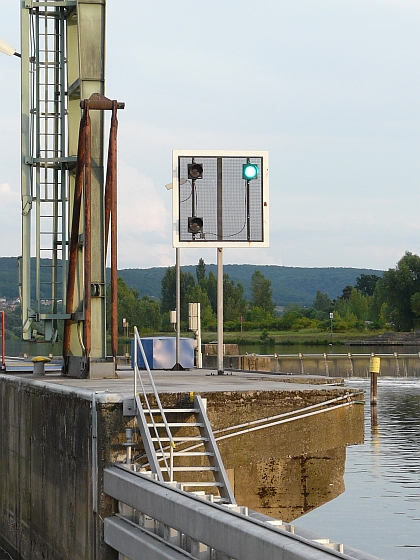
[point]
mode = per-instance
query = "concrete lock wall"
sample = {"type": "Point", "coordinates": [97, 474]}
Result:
{"type": "Point", "coordinates": [51, 502]}
{"type": "Point", "coordinates": [333, 365]}
{"type": "Point", "coordinates": [55, 442]}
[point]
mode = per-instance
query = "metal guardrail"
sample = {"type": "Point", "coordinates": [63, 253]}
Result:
{"type": "Point", "coordinates": [165, 522]}
{"type": "Point", "coordinates": [166, 442]}
{"type": "Point", "coordinates": [150, 411]}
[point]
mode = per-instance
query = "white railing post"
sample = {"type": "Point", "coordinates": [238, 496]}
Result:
{"type": "Point", "coordinates": [135, 363]}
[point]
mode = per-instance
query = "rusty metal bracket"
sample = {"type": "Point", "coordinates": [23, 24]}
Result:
{"type": "Point", "coordinates": [99, 102]}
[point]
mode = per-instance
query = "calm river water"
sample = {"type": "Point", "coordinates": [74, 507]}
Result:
{"type": "Point", "coordinates": [379, 512]}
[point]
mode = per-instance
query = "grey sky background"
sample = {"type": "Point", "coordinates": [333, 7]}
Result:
{"type": "Point", "coordinates": [330, 88]}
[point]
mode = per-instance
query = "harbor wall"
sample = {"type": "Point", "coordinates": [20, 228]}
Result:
{"type": "Point", "coordinates": [330, 365]}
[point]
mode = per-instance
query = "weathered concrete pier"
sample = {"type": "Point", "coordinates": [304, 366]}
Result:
{"type": "Point", "coordinates": [59, 435]}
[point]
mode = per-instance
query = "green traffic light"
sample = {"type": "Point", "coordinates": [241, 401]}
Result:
{"type": "Point", "coordinates": [249, 171]}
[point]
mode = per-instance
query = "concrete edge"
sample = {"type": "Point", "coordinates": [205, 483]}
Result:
{"type": "Point", "coordinates": [102, 397]}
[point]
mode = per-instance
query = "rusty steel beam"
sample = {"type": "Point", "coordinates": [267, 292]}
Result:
{"type": "Point", "coordinates": [87, 334]}
{"type": "Point", "coordinates": [114, 263]}
{"type": "Point", "coordinates": [74, 235]}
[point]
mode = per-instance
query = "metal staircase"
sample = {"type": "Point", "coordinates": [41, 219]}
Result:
{"type": "Point", "coordinates": [195, 516]}
{"type": "Point", "coordinates": [179, 443]}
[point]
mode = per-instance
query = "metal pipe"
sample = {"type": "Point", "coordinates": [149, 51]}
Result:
{"type": "Point", "coordinates": [295, 413]}
{"type": "Point", "coordinates": [279, 419]}
{"type": "Point", "coordinates": [220, 370]}
{"type": "Point", "coordinates": [26, 175]}
{"type": "Point", "coordinates": [248, 222]}
{"type": "Point", "coordinates": [219, 199]}
{"type": "Point", "coordinates": [87, 229]}
{"type": "Point", "coordinates": [178, 305]}
{"type": "Point", "coordinates": [99, 102]}
{"type": "Point", "coordinates": [112, 161]}
{"type": "Point", "coordinates": [111, 218]}
{"type": "Point", "coordinates": [284, 421]}
{"type": "Point", "coordinates": [108, 190]}
{"type": "Point", "coordinates": [3, 363]}
{"type": "Point", "coordinates": [39, 148]}
{"type": "Point", "coordinates": [128, 444]}
{"type": "Point", "coordinates": [94, 454]}
{"type": "Point", "coordinates": [63, 175]}
{"type": "Point", "coordinates": [135, 367]}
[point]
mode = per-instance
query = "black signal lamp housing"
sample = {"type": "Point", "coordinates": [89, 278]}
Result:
{"type": "Point", "coordinates": [195, 171]}
{"type": "Point", "coordinates": [195, 225]}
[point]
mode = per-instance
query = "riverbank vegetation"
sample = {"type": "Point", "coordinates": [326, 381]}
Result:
{"type": "Point", "coordinates": [373, 305]}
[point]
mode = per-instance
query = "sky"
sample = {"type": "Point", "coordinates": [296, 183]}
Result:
{"type": "Point", "coordinates": [330, 88]}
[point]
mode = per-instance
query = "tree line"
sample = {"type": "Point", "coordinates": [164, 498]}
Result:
{"type": "Point", "coordinates": [153, 316]}
{"type": "Point", "coordinates": [390, 302]}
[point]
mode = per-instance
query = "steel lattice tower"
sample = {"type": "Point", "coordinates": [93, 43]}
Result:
{"type": "Point", "coordinates": [63, 57]}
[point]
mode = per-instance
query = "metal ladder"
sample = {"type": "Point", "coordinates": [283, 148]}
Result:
{"type": "Point", "coordinates": [181, 449]}
{"type": "Point", "coordinates": [48, 147]}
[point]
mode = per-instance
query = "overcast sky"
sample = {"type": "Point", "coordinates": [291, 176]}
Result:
{"type": "Point", "coordinates": [331, 88]}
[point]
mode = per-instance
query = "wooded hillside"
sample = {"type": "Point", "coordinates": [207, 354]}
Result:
{"type": "Point", "coordinates": [290, 285]}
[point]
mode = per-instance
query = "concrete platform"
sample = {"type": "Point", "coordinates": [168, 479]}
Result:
{"type": "Point", "coordinates": [195, 380]}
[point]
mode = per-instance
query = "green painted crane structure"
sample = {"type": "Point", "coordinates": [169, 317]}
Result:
{"type": "Point", "coordinates": [63, 57]}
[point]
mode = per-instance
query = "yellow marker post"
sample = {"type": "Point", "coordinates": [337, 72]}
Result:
{"type": "Point", "coordinates": [374, 368]}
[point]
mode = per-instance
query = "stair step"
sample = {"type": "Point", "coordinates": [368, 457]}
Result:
{"type": "Point", "coordinates": [153, 422]}
{"type": "Point", "coordinates": [194, 469]}
{"type": "Point", "coordinates": [194, 439]}
{"type": "Point", "coordinates": [186, 454]}
{"type": "Point", "coordinates": [167, 410]}
{"type": "Point", "coordinates": [176, 425]}
{"type": "Point", "coordinates": [201, 484]}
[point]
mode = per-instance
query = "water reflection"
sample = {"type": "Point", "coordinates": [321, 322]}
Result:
{"type": "Point", "coordinates": [288, 488]}
{"type": "Point", "coordinates": [291, 469]}
{"type": "Point", "coordinates": [380, 510]}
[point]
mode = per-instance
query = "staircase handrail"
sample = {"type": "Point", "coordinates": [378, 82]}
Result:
{"type": "Point", "coordinates": [138, 377]}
